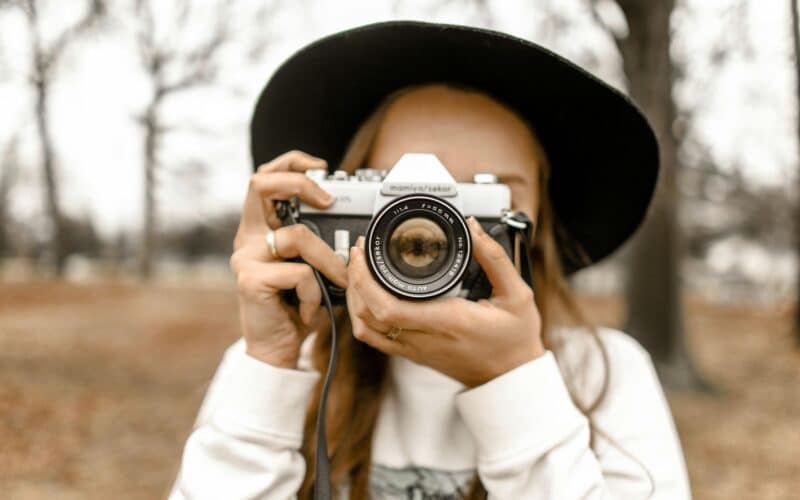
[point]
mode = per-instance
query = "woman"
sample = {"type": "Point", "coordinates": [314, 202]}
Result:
{"type": "Point", "coordinates": [515, 396]}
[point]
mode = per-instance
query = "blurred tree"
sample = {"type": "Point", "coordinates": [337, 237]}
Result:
{"type": "Point", "coordinates": [173, 67]}
{"type": "Point", "coordinates": [209, 237]}
{"type": "Point", "coordinates": [81, 236]}
{"type": "Point", "coordinates": [655, 314]}
{"type": "Point", "coordinates": [484, 13]}
{"type": "Point", "coordinates": [8, 173]}
{"type": "Point", "coordinates": [796, 46]}
{"type": "Point", "coordinates": [47, 51]}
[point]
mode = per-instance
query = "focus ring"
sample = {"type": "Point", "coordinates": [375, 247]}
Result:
{"type": "Point", "coordinates": [380, 231]}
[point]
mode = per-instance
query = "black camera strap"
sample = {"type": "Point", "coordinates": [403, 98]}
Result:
{"type": "Point", "coordinates": [322, 479]}
{"type": "Point", "coordinates": [519, 227]}
{"type": "Point", "coordinates": [322, 476]}
{"type": "Point", "coordinates": [287, 211]}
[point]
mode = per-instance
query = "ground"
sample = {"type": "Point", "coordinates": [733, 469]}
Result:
{"type": "Point", "coordinates": [99, 385]}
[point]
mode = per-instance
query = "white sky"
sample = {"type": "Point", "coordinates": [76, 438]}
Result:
{"type": "Point", "coordinates": [744, 111]}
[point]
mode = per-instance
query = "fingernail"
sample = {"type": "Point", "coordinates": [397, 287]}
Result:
{"type": "Point", "coordinates": [475, 224]}
{"type": "Point", "coordinates": [360, 242]}
{"type": "Point", "coordinates": [326, 198]}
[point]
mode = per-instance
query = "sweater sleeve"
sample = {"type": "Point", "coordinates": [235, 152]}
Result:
{"type": "Point", "coordinates": [246, 439]}
{"type": "Point", "coordinates": [534, 443]}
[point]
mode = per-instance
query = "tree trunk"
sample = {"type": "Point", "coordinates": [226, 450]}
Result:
{"type": "Point", "coordinates": [655, 314]}
{"type": "Point", "coordinates": [150, 122]}
{"type": "Point", "coordinates": [8, 171]}
{"type": "Point", "coordinates": [57, 245]}
{"type": "Point", "coordinates": [796, 44]}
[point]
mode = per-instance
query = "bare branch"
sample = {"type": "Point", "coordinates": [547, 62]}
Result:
{"type": "Point", "coordinates": [485, 12]}
{"type": "Point", "coordinates": [208, 50]}
{"type": "Point", "coordinates": [10, 3]}
{"type": "Point", "coordinates": [200, 64]}
{"type": "Point", "coordinates": [261, 20]}
{"type": "Point", "coordinates": [145, 36]}
{"type": "Point", "coordinates": [602, 23]}
{"type": "Point", "coordinates": [95, 13]}
{"type": "Point", "coordinates": [183, 14]}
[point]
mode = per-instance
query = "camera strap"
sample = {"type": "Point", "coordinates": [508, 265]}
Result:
{"type": "Point", "coordinates": [322, 476]}
{"type": "Point", "coordinates": [520, 227]}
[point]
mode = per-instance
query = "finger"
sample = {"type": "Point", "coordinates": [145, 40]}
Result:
{"type": "Point", "coordinates": [265, 187]}
{"type": "Point", "coordinates": [386, 308]}
{"type": "Point", "coordinates": [254, 217]}
{"type": "Point", "coordinates": [259, 281]}
{"type": "Point", "coordinates": [257, 216]}
{"type": "Point", "coordinates": [285, 185]}
{"type": "Point", "coordinates": [357, 307]}
{"type": "Point", "coordinates": [293, 161]}
{"type": "Point", "coordinates": [495, 263]}
{"type": "Point", "coordinates": [292, 241]}
{"type": "Point", "coordinates": [298, 240]}
{"type": "Point", "coordinates": [273, 221]}
{"type": "Point", "coordinates": [364, 333]}
{"type": "Point", "coordinates": [376, 339]}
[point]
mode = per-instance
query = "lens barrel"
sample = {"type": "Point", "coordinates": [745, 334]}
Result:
{"type": "Point", "coordinates": [418, 246]}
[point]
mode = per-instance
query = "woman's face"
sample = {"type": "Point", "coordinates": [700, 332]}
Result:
{"type": "Point", "coordinates": [469, 132]}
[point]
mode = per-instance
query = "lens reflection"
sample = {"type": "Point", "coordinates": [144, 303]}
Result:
{"type": "Point", "coordinates": [418, 247]}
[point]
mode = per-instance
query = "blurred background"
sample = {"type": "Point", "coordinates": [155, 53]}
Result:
{"type": "Point", "coordinates": [124, 162]}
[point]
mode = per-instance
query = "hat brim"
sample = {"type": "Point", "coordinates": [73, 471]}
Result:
{"type": "Point", "coordinates": [603, 153]}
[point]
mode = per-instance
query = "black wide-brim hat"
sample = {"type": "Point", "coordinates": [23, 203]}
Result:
{"type": "Point", "coordinates": [603, 153]}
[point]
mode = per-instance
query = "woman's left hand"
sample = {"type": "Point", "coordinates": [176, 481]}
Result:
{"type": "Point", "coordinates": [472, 342]}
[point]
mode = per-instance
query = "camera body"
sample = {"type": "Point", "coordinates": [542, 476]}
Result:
{"type": "Point", "coordinates": [417, 243]}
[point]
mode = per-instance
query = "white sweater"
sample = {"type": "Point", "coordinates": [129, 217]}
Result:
{"type": "Point", "coordinates": [521, 430]}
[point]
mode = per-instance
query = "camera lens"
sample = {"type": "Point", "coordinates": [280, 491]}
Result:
{"type": "Point", "coordinates": [418, 246]}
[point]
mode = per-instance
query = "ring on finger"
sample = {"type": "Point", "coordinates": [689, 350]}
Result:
{"type": "Point", "coordinates": [394, 333]}
{"type": "Point", "coordinates": [272, 244]}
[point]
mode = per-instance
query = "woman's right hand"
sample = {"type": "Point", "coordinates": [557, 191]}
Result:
{"type": "Point", "coordinates": [274, 330]}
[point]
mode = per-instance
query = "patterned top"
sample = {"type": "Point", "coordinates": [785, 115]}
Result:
{"type": "Point", "coordinates": [418, 483]}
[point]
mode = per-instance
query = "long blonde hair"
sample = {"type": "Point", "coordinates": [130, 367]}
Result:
{"type": "Point", "coordinates": [358, 388]}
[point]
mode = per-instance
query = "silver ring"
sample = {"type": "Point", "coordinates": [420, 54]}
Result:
{"type": "Point", "coordinates": [273, 248]}
{"type": "Point", "coordinates": [394, 333]}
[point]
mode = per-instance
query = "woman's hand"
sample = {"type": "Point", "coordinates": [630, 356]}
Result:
{"type": "Point", "coordinates": [472, 342]}
{"type": "Point", "coordinates": [273, 330]}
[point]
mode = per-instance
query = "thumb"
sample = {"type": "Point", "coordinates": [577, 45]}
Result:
{"type": "Point", "coordinates": [494, 261]}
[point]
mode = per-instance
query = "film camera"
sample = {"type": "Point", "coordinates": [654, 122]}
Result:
{"type": "Point", "coordinates": [417, 242]}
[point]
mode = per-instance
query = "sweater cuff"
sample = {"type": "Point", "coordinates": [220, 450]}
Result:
{"type": "Point", "coordinates": [525, 408]}
{"type": "Point", "coordinates": [266, 399]}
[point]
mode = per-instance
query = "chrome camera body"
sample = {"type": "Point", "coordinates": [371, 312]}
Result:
{"type": "Point", "coordinates": [417, 242]}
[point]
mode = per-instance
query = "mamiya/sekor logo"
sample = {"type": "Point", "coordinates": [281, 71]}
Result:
{"type": "Point", "coordinates": [401, 188]}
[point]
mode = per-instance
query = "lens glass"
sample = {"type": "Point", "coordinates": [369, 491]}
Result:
{"type": "Point", "coordinates": [418, 247]}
